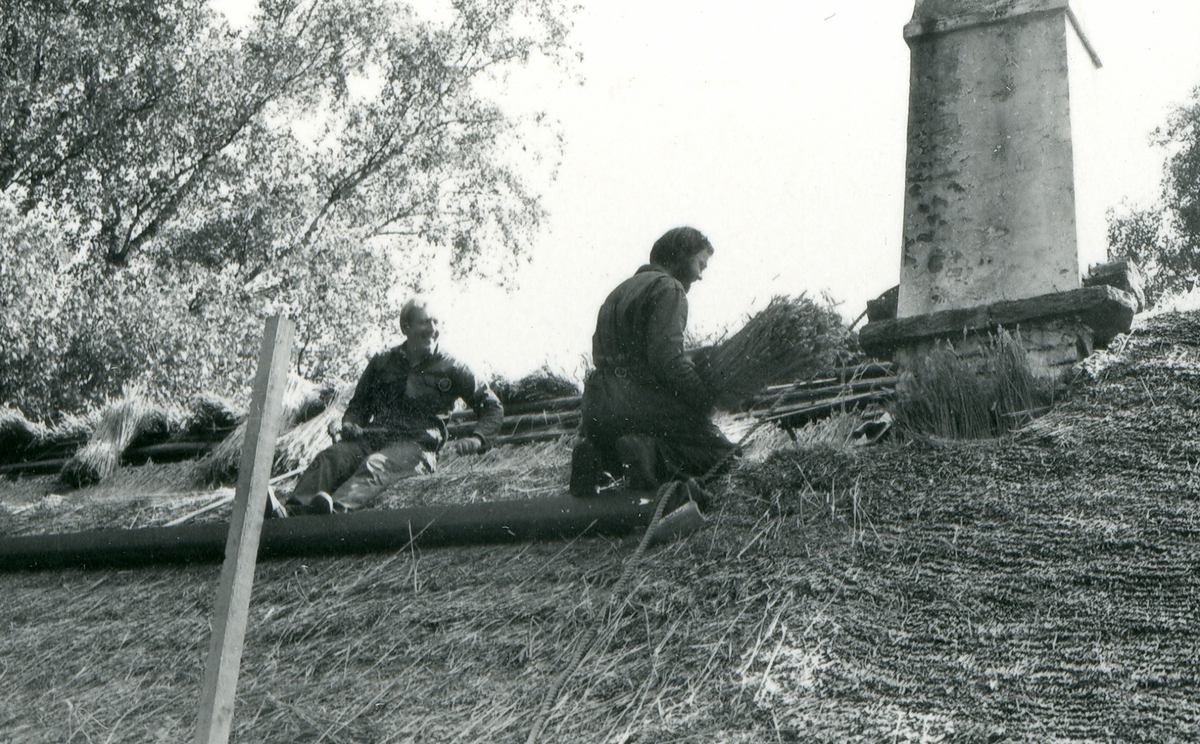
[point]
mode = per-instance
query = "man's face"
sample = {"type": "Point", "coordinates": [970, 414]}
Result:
{"type": "Point", "coordinates": [422, 330]}
{"type": "Point", "coordinates": [693, 268]}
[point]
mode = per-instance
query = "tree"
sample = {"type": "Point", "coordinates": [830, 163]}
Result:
{"type": "Point", "coordinates": [1165, 238]}
{"type": "Point", "coordinates": [308, 163]}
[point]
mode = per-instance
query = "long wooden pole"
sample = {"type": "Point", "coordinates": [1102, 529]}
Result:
{"type": "Point", "coordinates": [245, 526]}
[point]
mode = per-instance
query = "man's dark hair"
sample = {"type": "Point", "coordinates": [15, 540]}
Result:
{"type": "Point", "coordinates": [678, 245]}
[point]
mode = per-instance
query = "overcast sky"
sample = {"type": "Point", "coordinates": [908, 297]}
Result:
{"type": "Point", "coordinates": [778, 129]}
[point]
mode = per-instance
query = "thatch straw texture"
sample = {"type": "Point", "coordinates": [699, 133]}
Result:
{"type": "Point", "coordinates": [789, 339]}
{"type": "Point", "coordinates": [985, 396]}
{"type": "Point", "coordinates": [134, 419]}
{"type": "Point", "coordinates": [505, 472]}
{"type": "Point", "coordinates": [1036, 587]}
{"type": "Point", "coordinates": [302, 400]}
{"type": "Point", "coordinates": [837, 429]}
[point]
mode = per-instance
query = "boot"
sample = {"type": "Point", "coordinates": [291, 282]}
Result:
{"type": "Point", "coordinates": [699, 494]}
{"type": "Point", "coordinates": [586, 469]}
{"type": "Point", "coordinates": [677, 525]}
{"type": "Point", "coordinates": [639, 461]}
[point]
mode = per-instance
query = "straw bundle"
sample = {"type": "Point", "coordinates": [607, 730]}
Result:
{"type": "Point", "coordinates": [946, 396]}
{"type": "Point", "coordinates": [74, 428]}
{"type": "Point", "coordinates": [301, 399]}
{"type": "Point", "coordinates": [210, 417]}
{"type": "Point", "coordinates": [298, 446]}
{"type": "Point", "coordinates": [540, 385]}
{"type": "Point", "coordinates": [20, 438]}
{"type": "Point", "coordinates": [790, 339]}
{"type": "Point", "coordinates": [135, 419]}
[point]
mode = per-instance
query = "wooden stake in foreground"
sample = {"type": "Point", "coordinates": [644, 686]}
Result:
{"type": "Point", "coordinates": [245, 526]}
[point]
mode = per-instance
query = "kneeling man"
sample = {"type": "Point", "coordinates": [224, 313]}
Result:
{"type": "Point", "coordinates": [393, 427]}
{"type": "Point", "coordinates": [646, 410]}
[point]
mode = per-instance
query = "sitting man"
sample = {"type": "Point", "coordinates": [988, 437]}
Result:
{"type": "Point", "coordinates": [393, 426]}
{"type": "Point", "coordinates": [646, 410]}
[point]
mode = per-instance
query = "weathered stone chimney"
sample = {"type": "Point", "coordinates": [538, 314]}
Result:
{"type": "Point", "coordinates": [990, 233]}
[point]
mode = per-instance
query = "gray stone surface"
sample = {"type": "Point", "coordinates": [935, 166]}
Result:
{"type": "Point", "coordinates": [990, 202]}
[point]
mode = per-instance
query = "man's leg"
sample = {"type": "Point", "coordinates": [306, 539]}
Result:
{"type": "Point", "coordinates": [586, 468]}
{"type": "Point", "coordinates": [639, 461]}
{"type": "Point", "coordinates": [382, 469]}
{"type": "Point", "coordinates": [328, 470]}
{"type": "Point", "coordinates": [694, 457]}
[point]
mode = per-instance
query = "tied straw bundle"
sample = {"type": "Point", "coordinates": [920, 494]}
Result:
{"type": "Point", "coordinates": [302, 400]}
{"type": "Point", "coordinates": [298, 446]}
{"type": "Point", "coordinates": [540, 385]}
{"type": "Point", "coordinates": [789, 339]}
{"type": "Point", "coordinates": [133, 418]}
{"type": "Point", "coordinates": [18, 435]}
{"type": "Point", "coordinates": [987, 394]}
{"type": "Point", "coordinates": [22, 440]}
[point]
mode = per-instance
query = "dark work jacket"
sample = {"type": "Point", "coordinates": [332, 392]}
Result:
{"type": "Point", "coordinates": [640, 329]}
{"type": "Point", "coordinates": [409, 403]}
{"type": "Point", "coordinates": [644, 382]}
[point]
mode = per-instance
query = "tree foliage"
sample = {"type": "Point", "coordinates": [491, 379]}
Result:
{"type": "Point", "coordinates": [1165, 237]}
{"type": "Point", "coordinates": [167, 181]}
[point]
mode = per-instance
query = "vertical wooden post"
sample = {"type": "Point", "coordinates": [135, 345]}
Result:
{"type": "Point", "coordinates": [245, 527]}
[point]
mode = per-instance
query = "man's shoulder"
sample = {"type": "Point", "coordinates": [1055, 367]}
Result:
{"type": "Point", "coordinates": [389, 357]}
{"type": "Point", "coordinates": [650, 281]}
{"type": "Point", "coordinates": [445, 361]}
{"type": "Point", "coordinates": [647, 278]}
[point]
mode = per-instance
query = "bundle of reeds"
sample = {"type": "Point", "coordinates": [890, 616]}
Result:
{"type": "Point", "coordinates": [19, 437]}
{"type": "Point", "coordinates": [1019, 394]}
{"type": "Point", "coordinates": [30, 446]}
{"type": "Point", "coordinates": [540, 385]}
{"type": "Point", "coordinates": [790, 339]}
{"type": "Point", "coordinates": [74, 427]}
{"type": "Point", "coordinates": [210, 418]}
{"type": "Point", "coordinates": [297, 447]}
{"type": "Point", "coordinates": [134, 419]}
{"type": "Point", "coordinates": [985, 396]}
{"type": "Point", "coordinates": [301, 398]}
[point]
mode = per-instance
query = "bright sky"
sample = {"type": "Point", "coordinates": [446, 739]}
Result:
{"type": "Point", "coordinates": [778, 129]}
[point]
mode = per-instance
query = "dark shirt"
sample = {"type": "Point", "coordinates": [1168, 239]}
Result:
{"type": "Point", "coordinates": [410, 402]}
{"type": "Point", "coordinates": [640, 332]}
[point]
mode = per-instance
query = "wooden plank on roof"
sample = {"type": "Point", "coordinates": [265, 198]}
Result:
{"type": "Point", "coordinates": [245, 528]}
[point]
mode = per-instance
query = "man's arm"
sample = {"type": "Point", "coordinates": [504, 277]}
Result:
{"type": "Point", "coordinates": [669, 363]}
{"type": "Point", "coordinates": [489, 414]}
{"type": "Point", "coordinates": [357, 412]}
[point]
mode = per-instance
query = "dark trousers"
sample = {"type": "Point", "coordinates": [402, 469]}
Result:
{"type": "Point", "coordinates": [687, 442]}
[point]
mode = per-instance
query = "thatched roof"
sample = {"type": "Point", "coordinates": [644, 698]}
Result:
{"type": "Point", "coordinates": [1036, 587]}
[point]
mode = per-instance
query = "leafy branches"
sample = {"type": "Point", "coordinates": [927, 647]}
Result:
{"type": "Point", "coordinates": [132, 137]}
{"type": "Point", "coordinates": [182, 178]}
{"type": "Point", "coordinates": [1165, 238]}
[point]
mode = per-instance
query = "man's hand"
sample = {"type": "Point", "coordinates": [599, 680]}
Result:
{"type": "Point", "coordinates": [471, 445]}
{"type": "Point", "coordinates": [351, 432]}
